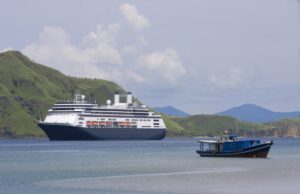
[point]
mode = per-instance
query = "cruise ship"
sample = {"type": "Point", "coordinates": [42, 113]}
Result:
{"type": "Point", "coordinates": [82, 120]}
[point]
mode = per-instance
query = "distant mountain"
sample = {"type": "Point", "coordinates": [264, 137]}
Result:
{"type": "Point", "coordinates": [169, 110]}
{"type": "Point", "coordinates": [254, 113]}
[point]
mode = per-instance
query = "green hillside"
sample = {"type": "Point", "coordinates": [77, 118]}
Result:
{"type": "Point", "coordinates": [174, 128]}
{"type": "Point", "coordinates": [28, 89]}
{"type": "Point", "coordinates": [213, 125]}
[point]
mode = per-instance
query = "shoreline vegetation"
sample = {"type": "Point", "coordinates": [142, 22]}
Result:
{"type": "Point", "coordinates": [214, 125]}
{"type": "Point", "coordinates": [28, 89]}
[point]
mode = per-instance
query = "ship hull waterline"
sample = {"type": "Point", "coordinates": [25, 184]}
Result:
{"type": "Point", "coordinates": [64, 132]}
{"type": "Point", "coordinates": [259, 151]}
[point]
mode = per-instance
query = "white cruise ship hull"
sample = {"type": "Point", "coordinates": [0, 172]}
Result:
{"type": "Point", "coordinates": [63, 132]}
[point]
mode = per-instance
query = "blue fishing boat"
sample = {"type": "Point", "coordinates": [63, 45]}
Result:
{"type": "Point", "coordinates": [231, 146]}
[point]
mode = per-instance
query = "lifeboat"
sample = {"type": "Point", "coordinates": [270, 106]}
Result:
{"type": "Point", "coordinates": [94, 123]}
{"type": "Point", "coordinates": [122, 123]}
{"type": "Point", "coordinates": [88, 123]}
{"type": "Point", "coordinates": [128, 124]}
{"type": "Point", "coordinates": [102, 123]}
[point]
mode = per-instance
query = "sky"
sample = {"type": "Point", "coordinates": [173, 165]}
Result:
{"type": "Point", "coordinates": [201, 56]}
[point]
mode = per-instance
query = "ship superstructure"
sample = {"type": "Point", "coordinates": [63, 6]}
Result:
{"type": "Point", "coordinates": [82, 120]}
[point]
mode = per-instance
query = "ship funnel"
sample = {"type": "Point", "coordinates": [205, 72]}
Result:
{"type": "Point", "coordinates": [129, 98]}
{"type": "Point", "coordinates": [116, 98]}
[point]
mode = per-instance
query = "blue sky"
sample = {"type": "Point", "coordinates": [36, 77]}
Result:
{"type": "Point", "coordinates": [200, 56]}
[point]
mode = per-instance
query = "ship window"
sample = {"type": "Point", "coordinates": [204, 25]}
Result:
{"type": "Point", "coordinates": [81, 118]}
{"type": "Point", "coordinates": [63, 108]}
{"type": "Point", "coordinates": [156, 123]}
{"type": "Point", "coordinates": [80, 122]}
{"type": "Point", "coordinates": [155, 120]}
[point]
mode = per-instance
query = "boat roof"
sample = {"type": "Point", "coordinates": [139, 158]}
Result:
{"type": "Point", "coordinates": [209, 141]}
{"type": "Point", "coordinates": [217, 141]}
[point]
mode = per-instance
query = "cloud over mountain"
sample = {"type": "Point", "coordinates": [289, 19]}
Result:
{"type": "Point", "coordinates": [100, 54]}
{"type": "Point", "coordinates": [54, 48]}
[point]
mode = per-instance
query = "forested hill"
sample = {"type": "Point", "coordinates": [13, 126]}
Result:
{"type": "Point", "coordinates": [28, 89]}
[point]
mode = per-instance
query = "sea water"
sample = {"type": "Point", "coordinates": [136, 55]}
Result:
{"type": "Point", "coordinates": [166, 166]}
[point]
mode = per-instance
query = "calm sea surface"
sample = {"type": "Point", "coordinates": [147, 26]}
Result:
{"type": "Point", "coordinates": [167, 166]}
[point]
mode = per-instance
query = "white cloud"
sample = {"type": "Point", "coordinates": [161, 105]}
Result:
{"type": "Point", "coordinates": [165, 63]}
{"type": "Point", "coordinates": [101, 45]}
{"type": "Point", "coordinates": [133, 16]}
{"type": "Point", "coordinates": [54, 48]}
{"type": "Point", "coordinates": [228, 80]}
{"type": "Point", "coordinates": [96, 57]}
{"type": "Point", "coordinates": [101, 55]}
{"type": "Point", "coordinates": [102, 36]}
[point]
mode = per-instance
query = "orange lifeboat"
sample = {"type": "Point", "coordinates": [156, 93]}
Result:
{"type": "Point", "coordinates": [121, 124]}
{"type": "Point", "coordinates": [88, 123]}
{"type": "Point", "coordinates": [128, 124]}
{"type": "Point", "coordinates": [94, 123]}
{"type": "Point", "coordinates": [102, 123]}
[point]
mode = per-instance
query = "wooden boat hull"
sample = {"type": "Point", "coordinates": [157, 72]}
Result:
{"type": "Point", "coordinates": [259, 151]}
